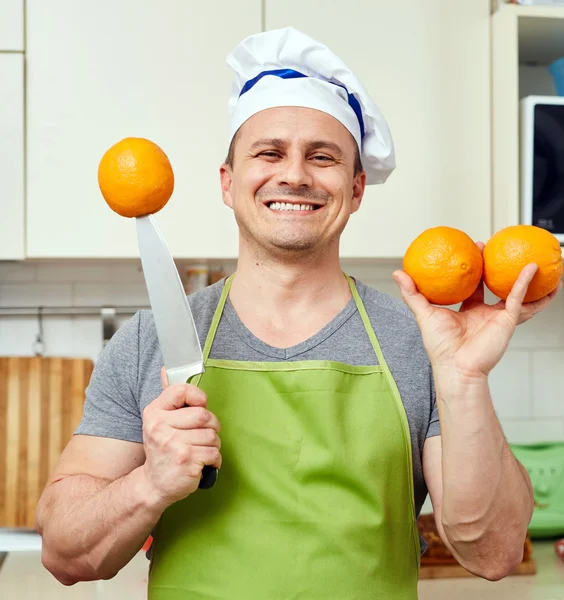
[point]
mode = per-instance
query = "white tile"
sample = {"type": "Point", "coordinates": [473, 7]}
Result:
{"type": "Point", "coordinates": [533, 430]}
{"type": "Point", "coordinates": [548, 384]}
{"type": "Point", "coordinates": [371, 271]}
{"type": "Point", "coordinates": [544, 330]}
{"type": "Point", "coordinates": [78, 337]}
{"type": "Point", "coordinates": [126, 272]}
{"type": "Point", "coordinates": [73, 272]}
{"type": "Point", "coordinates": [131, 294]}
{"type": "Point", "coordinates": [17, 271]}
{"type": "Point", "coordinates": [35, 294]}
{"type": "Point", "coordinates": [87, 337]}
{"type": "Point", "coordinates": [18, 334]}
{"type": "Point", "coordinates": [510, 386]}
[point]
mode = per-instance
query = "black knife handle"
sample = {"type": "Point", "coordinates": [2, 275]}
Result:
{"type": "Point", "coordinates": [209, 477]}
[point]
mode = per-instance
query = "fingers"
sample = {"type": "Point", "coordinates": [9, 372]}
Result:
{"type": "Point", "coordinates": [206, 455]}
{"type": "Point", "coordinates": [203, 437]}
{"type": "Point", "coordinates": [164, 378]}
{"type": "Point", "coordinates": [197, 417]}
{"type": "Point", "coordinates": [180, 395]}
{"type": "Point", "coordinates": [476, 298]}
{"type": "Point", "coordinates": [481, 246]}
{"type": "Point", "coordinates": [532, 308]}
{"type": "Point", "coordinates": [418, 304]}
{"type": "Point", "coordinates": [515, 299]}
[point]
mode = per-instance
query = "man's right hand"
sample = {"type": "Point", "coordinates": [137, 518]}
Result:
{"type": "Point", "coordinates": [180, 437]}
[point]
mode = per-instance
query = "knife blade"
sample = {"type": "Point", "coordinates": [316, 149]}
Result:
{"type": "Point", "coordinates": [176, 330]}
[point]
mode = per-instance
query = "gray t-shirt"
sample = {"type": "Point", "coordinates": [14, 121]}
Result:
{"type": "Point", "coordinates": [127, 374]}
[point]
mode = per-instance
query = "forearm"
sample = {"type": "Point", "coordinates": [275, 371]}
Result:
{"type": "Point", "coordinates": [91, 528]}
{"type": "Point", "coordinates": [487, 496]}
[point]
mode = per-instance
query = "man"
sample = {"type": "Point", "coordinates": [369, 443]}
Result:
{"type": "Point", "coordinates": [324, 388]}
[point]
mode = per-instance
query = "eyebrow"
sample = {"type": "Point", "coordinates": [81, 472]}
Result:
{"type": "Point", "coordinates": [276, 142]}
{"type": "Point", "coordinates": [280, 143]}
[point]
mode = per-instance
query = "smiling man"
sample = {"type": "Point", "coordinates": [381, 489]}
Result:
{"type": "Point", "coordinates": [332, 409]}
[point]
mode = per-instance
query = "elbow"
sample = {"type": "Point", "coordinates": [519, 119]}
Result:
{"type": "Point", "coordinates": [486, 555]}
{"type": "Point", "coordinates": [495, 570]}
{"type": "Point", "coordinates": [59, 569]}
{"type": "Point", "coordinates": [69, 571]}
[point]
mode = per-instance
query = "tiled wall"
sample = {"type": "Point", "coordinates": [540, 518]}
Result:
{"type": "Point", "coordinates": [527, 385]}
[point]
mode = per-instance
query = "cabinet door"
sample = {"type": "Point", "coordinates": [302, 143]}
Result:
{"type": "Point", "coordinates": [12, 156]}
{"type": "Point", "coordinates": [11, 25]}
{"type": "Point", "coordinates": [426, 65]}
{"type": "Point", "coordinates": [101, 71]}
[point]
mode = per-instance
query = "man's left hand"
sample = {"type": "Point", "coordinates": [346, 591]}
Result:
{"type": "Point", "coordinates": [474, 338]}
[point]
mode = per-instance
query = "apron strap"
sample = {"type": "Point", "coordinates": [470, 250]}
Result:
{"type": "Point", "coordinates": [367, 325]}
{"type": "Point", "coordinates": [217, 317]}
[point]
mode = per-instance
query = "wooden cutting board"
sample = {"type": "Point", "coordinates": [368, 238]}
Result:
{"type": "Point", "coordinates": [41, 403]}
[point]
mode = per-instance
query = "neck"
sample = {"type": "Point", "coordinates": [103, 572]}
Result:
{"type": "Point", "coordinates": [285, 299]}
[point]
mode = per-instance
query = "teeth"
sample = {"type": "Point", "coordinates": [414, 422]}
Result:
{"type": "Point", "coordinates": [288, 206]}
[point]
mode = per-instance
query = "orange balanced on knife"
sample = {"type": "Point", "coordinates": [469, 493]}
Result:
{"type": "Point", "coordinates": [135, 177]}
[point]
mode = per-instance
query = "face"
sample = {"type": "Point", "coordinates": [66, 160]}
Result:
{"type": "Point", "coordinates": [292, 184]}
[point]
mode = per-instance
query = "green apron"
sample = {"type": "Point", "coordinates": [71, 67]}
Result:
{"type": "Point", "coordinates": [315, 496]}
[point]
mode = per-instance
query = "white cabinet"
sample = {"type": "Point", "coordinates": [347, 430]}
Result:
{"type": "Point", "coordinates": [12, 156]}
{"type": "Point", "coordinates": [101, 71]}
{"type": "Point", "coordinates": [11, 25]}
{"type": "Point", "coordinates": [525, 40]}
{"type": "Point", "coordinates": [427, 66]}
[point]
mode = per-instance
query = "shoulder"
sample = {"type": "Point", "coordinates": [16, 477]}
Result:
{"type": "Point", "coordinates": [394, 324]}
{"type": "Point", "coordinates": [381, 305]}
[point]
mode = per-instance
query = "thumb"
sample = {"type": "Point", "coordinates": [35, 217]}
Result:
{"type": "Point", "coordinates": [164, 378]}
{"type": "Point", "coordinates": [418, 304]}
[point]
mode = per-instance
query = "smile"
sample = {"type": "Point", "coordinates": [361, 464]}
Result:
{"type": "Point", "coordinates": [291, 206]}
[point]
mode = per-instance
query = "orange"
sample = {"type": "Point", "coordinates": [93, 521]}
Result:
{"type": "Point", "coordinates": [514, 247]}
{"type": "Point", "coordinates": [135, 177]}
{"type": "Point", "coordinates": [445, 265]}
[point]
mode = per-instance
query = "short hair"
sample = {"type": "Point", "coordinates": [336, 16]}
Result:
{"type": "Point", "coordinates": [231, 154]}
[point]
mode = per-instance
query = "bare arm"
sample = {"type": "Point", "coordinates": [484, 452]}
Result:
{"type": "Point", "coordinates": [97, 510]}
{"type": "Point", "coordinates": [106, 495]}
{"type": "Point", "coordinates": [482, 496]}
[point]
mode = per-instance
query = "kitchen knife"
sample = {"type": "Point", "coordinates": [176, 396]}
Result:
{"type": "Point", "coordinates": [178, 338]}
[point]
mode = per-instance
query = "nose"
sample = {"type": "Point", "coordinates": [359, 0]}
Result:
{"type": "Point", "coordinates": [294, 171]}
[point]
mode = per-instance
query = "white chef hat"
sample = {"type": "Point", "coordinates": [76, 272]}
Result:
{"type": "Point", "coordinates": [285, 67]}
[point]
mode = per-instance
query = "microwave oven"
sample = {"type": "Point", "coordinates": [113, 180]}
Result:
{"type": "Point", "coordinates": [542, 163]}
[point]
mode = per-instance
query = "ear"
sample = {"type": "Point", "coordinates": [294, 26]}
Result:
{"type": "Point", "coordinates": [359, 184]}
{"type": "Point", "coordinates": [226, 178]}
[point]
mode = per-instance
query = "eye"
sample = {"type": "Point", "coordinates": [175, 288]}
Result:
{"type": "Point", "coordinates": [270, 154]}
{"type": "Point", "coordinates": [322, 158]}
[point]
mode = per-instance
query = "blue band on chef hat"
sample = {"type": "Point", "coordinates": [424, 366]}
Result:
{"type": "Point", "coordinates": [291, 74]}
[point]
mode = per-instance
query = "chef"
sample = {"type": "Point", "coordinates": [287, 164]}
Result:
{"type": "Point", "coordinates": [331, 409]}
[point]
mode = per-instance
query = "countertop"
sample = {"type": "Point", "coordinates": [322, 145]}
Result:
{"type": "Point", "coordinates": [22, 577]}
{"type": "Point", "coordinates": [547, 584]}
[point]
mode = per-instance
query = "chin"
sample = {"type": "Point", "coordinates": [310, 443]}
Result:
{"type": "Point", "coordinates": [294, 245]}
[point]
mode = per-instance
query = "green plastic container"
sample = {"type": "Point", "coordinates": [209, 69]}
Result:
{"type": "Point", "coordinates": [545, 465]}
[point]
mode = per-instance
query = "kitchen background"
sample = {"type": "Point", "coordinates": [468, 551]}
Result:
{"type": "Point", "coordinates": [75, 78]}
